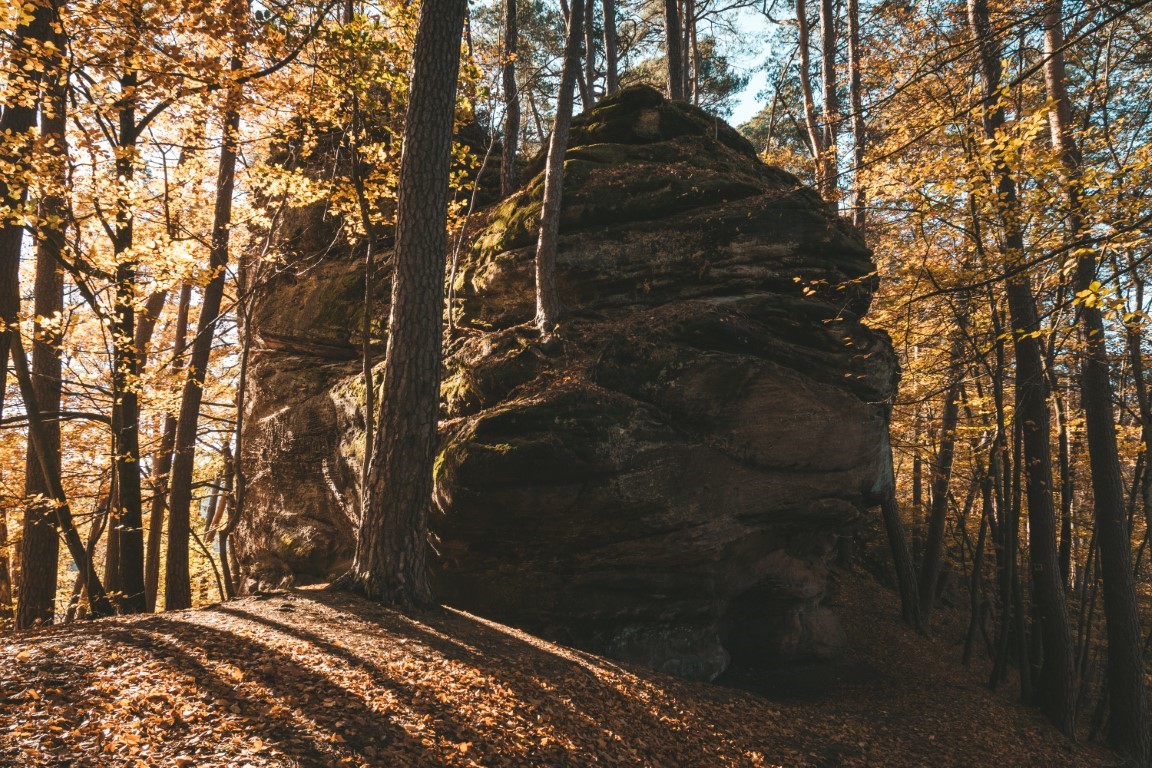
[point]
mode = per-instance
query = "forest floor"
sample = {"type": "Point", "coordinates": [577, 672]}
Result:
{"type": "Point", "coordinates": [314, 678]}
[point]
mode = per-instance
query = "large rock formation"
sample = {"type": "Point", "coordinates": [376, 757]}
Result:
{"type": "Point", "coordinates": [666, 481]}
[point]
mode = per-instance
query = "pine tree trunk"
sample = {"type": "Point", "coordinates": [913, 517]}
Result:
{"type": "Point", "coordinates": [611, 53]}
{"type": "Point", "coordinates": [860, 196]}
{"type": "Point", "coordinates": [831, 124]}
{"type": "Point", "coordinates": [1056, 687]}
{"type": "Point", "coordinates": [508, 170]}
{"type": "Point", "coordinates": [1128, 703]}
{"type": "Point", "coordinates": [590, 53]}
{"type": "Point", "coordinates": [672, 48]}
{"type": "Point", "coordinates": [548, 307]}
{"type": "Point", "coordinates": [391, 549]}
{"type": "Point", "coordinates": [811, 121]}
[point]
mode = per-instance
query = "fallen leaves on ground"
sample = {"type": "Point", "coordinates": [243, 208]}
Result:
{"type": "Point", "coordinates": [316, 678]}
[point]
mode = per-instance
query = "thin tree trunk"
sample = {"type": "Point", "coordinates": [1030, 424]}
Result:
{"type": "Point", "coordinates": [811, 120]}
{"type": "Point", "coordinates": [390, 562]}
{"type": "Point", "coordinates": [590, 53]}
{"type": "Point", "coordinates": [1056, 688]}
{"type": "Point", "coordinates": [548, 307]}
{"type": "Point", "coordinates": [1129, 719]}
{"type": "Point", "coordinates": [860, 194]}
{"type": "Point", "coordinates": [162, 461]}
{"type": "Point", "coordinates": [831, 100]}
{"type": "Point", "coordinates": [611, 53]}
{"type": "Point", "coordinates": [177, 587]}
{"type": "Point", "coordinates": [901, 557]}
{"type": "Point", "coordinates": [941, 475]}
{"type": "Point", "coordinates": [672, 52]}
{"type": "Point", "coordinates": [508, 170]}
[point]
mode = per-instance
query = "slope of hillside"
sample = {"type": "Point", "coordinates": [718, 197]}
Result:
{"type": "Point", "coordinates": [314, 678]}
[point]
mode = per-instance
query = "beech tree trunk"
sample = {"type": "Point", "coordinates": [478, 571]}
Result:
{"type": "Point", "coordinates": [1128, 704]}
{"type": "Point", "coordinates": [611, 54]}
{"type": "Point", "coordinates": [1055, 690]}
{"type": "Point", "coordinates": [672, 50]}
{"type": "Point", "coordinates": [40, 546]}
{"type": "Point", "coordinates": [548, 306]}
{"type": "Point", "coordinates": [390, 562]}
{"type": "Point", "coordinates": [177, 586]}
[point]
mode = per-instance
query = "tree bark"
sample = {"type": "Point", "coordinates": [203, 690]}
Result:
{"type": "Point", "coordinates": [177, 586]}
{"type": "Point", "coordinates": [162, 461]}
{"type": "Point", "coordinates": [932, 563]}
{"type": "Point", "coordinates": [860, 194]}
{"type": "Point", "coordinates": [811, 120]}
{"type": "Point", "coordinates": [611, 54]}
{"type": "Point", "coordinates": [508, 170]}
{"type": "Point", "coordinates": [390, 562]}
{"type": "Point", "coordinates": [1055, 691]}
{"type": "Point", "coordinates": [548, 307]}
{"type": "Point", "coordinates": [1128, 705]}
{"type": "Point", "coordinates": [590, 53]}
{"type": "Point", "coordinates": [831, 121]}
{"type": "Point", "coordinates": [40, 547]}
{"type": "Point", "coordinates": [672, 52]}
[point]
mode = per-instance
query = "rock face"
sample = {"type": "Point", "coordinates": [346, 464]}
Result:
{"type": "Point", "coordinates": [666, 481]}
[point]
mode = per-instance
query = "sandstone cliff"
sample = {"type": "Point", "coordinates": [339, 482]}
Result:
{"type": "Point", "coordinates": [666, 482]}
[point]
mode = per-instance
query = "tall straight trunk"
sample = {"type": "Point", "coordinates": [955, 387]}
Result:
{"type": "Point", "coordinates": [177, 586]}
{"type": "Point", "coordinates": [672, 52]}
{"type": "Point", "coordinates": [611, 53]}
{"type": "Point", "coordinates": [511, 102]}
{"type": "Point", "coordinates": [687, 12]}
{"type": "Point", "coordinates": [40, 546]}
{"type": "Point", "coordinates": [162, 461]}
{"type": "Point", "coordinates": [694, 43]}
{"type": "Point", "coordinates": [6, 612]}
{"type": "Point", "coordinates": [127, 519]}
{"type": "Point", "coordinates": [548, 306]}
{"type": "Point", "coordinates": [390, 562]}
{"type": "Point", "coordinates": [860, 194]}
{"type": "Point", "coordinates": [831, 100]}
{"type": "Point", "coordinates": [1056, 692]}
{"type": "Point", "coordinates": [1128, 704]}
{"type": "Point", "coordinates": [590, 53]}
{"type": "Point", "coordinates": [811, 120]}
{"type": "Point", "coordinates": [932, 563]}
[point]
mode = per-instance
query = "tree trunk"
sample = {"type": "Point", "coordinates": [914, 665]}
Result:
{"type": "Point", "coordinates": [611, 57]}
{"type": "Point", "coordinates": [941, 475]}
{"type": "Point", "coordinates": [831, 124]}
{"type": "Point", "coordinates": [40, 546]}
{"type": "Point", "coordinates": [511, 103]}
{"type": "Point", "coordinates": [672, 49]}
{"type": "Point", "coordinates": [548, 306]}
{"type": "Point", "coordinates": [66, 528]}
{"type": "Point", "coordinates": [860, 195]}
{"type": "Point", "coordinates": [1128, 704]}
{"type": "Point", "coordinates": [391, 549]}
{"type": "Point", "coordinates": [590, 53]}
{"type": "Point", "coordinates": [1056, 687]}
{"type": "Point", "coordinates": [177, 587]}
{"type": "Point", "coordinates": [811, 121]}
{"type": "Point", "coordinates": [162, 461]}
